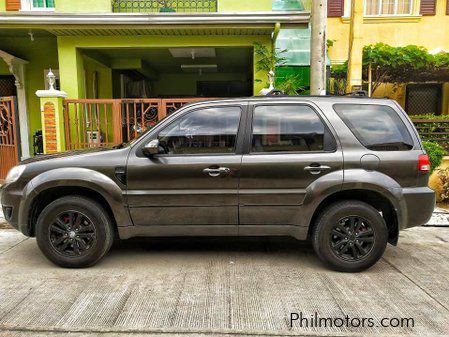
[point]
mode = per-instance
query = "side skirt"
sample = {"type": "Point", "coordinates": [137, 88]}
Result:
{"type": "Point", "coordinates": [298, 232]}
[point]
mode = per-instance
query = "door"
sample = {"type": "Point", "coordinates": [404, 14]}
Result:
{"type": "Point", "coordinates": [423, 99]}
{"type": "Point", "coordinates": [9, 147]}
{"type": "Point", "coordinates": [289, 149]}
{"type": "Point", "coordinates": [191, 187]}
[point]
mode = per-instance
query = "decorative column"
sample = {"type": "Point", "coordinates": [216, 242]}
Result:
{"type": "Point", "coordinates": [355, 53]}
{"type": "Point", "coordinates": [17, 68]}
{"type": "Point", "coordinates": [52, 117]}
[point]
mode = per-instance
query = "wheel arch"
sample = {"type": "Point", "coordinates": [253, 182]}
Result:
{"type": "Point", "coordinates": [374, 198]}
{"type": "Point", "coordinates": [58, 183]}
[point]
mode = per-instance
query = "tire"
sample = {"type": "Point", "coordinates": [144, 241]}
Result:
{"type": "Point", "coordinates": [350, 236]}
{"type": "Point", "coordinates": [74, 232]}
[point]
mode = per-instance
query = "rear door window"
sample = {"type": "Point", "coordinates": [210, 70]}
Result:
{"type": "Point", "coordinates": [377, 127]}
{"type": "Point", "coordinates": [289, 128]}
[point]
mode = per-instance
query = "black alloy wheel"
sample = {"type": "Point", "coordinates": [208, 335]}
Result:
{"type": "Point", "coordinates": [72, 233]}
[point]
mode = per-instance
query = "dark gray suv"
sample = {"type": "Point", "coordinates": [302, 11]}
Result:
{"type": "Point", "coordinates": [346, 173]}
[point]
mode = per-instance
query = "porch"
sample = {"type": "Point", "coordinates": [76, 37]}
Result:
{"type": "Point", "coordinates": [92, 123]}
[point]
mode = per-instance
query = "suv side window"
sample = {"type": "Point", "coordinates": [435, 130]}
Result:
{"type": "Point", "coordinates": [205, 131]}
{"type": "Point", "coordinates": [289, 128]}
{"type": "Point", "coordinates": [377, 127]}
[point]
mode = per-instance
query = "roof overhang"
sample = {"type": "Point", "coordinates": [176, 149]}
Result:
{"type": "Point", "coordinates": [167, 24]}
{"type": "Point", "coordinates": [151, 19]}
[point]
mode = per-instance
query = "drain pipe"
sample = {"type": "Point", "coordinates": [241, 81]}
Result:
{"type": "Point", "coordinates": [274, 36]}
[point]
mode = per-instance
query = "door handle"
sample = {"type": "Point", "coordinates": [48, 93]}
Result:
{"type": "Point", "coordinates": [217, 172]}
{"type": "Point", "coordinates": [316, 168]}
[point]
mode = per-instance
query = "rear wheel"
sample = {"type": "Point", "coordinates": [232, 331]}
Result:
{"type": "Point", "coordinates": [74, 232]}
{"type": "Point", "coordinates": [350, 236]}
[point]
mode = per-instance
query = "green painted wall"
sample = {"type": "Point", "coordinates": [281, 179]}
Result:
{"type": "Point", "coordinates": [104, 78]}
{"type": "Point", "coordinates": [244, 5]}
{"type": "Point", "coordinates": [186, 84]}
{"type": "Point", "coordinates": [42, 53]}
{"type": "Point", "coordinates": [4, 70]}
{"type": "Point", "coordinates": [71, 59]}
{"type": "Point", "coordinates": [105, 6]}
{"type": "Point", "coordinates": [91, 6]}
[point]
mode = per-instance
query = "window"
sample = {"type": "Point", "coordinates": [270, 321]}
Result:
{"type": "Point", "coordinates": [43, 3]}
{"type": "Point", "coordinates": [388, 7]}
{"type": "Point", "coordinates": [289, 128]}
{"type": "Point", "coordinates": [37, 5]}
{"type": "Point", "coordinates": [211, 130]}
{"type": "Point", "coordinates": [377, 127]}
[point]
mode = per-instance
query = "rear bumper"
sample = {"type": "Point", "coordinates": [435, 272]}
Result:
{"type": "Point", "coordinates": [419, 204]}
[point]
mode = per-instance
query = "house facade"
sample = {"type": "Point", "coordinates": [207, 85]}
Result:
{"type": "Point", "coordinates": [178, 50]}
{"type": "Point", "coordinates": [396, 23]}
{"type": "Point", "coordinates": [145, 49]}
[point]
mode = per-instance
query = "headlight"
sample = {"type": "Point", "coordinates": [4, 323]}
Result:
{"type": "Point", "coordinates": [14, 174]}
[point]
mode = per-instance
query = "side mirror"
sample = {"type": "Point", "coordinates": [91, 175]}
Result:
{"type": "Point", "coordinates": [151, 148]}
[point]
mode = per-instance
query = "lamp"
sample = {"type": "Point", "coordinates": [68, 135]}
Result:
{"type": "Point", "coordinates": [51, 80]}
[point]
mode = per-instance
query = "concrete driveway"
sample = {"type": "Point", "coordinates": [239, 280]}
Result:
{"type": "Point", "coordinates": [222, 287]}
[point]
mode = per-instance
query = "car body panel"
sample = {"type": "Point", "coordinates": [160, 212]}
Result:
{"type": "Point", "coordinates": [167, 196]}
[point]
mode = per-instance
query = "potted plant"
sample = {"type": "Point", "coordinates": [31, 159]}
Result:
{"type": "Point", "coordinates": [166, 6]}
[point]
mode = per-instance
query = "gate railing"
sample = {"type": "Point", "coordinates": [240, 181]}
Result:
{"type": "Point", "coordinates": [433, 129]}
{"type": "Point", "coordinates": [9, 153]}
{"type": "Point", "coordinates": [164, 6]}
{"type": "Point", "coordinates": [105, 122]}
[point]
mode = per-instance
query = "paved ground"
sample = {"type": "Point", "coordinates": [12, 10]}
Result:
{"type": "Point", "coordinates": [221, 287]}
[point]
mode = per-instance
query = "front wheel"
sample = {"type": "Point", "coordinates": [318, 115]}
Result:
{"type": "Point", "coordinates": [74, 232]}
{"type": "Point", "coordinates": [350, 236]}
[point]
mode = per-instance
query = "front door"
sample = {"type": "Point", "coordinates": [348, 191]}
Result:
{"type": "Point", "coordinates": [191, 187]}
{"type": "Point", "coordinates": [290, 148]}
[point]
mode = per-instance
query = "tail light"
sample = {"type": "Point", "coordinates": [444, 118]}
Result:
{"type": "Point", "coordinates": [423, 163]}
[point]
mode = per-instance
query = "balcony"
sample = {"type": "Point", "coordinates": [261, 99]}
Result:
{"type": "Point", "coordinates": [164, 6]}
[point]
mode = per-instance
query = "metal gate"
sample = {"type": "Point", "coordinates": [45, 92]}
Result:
{"type": "Point", "coordinates": [9, 151]}
{"type": "Point", "coordinates": [423, 99]}
{"type": "Point", "coordinates": [105, 122]}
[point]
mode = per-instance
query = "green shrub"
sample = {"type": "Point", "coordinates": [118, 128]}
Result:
{"type": "Point", "coordinates": [426, 116]}
{"type": "Point", "coordinates": [435, 152]}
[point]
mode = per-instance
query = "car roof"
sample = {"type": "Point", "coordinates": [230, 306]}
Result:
{"type": "Point", "coordinates": [331, 99]}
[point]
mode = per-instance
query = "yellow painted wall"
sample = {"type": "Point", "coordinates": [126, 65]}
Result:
{"type": "Point", "coordinates": [428, 31]}
{"type": "Point", "coordinates": [2, 5]}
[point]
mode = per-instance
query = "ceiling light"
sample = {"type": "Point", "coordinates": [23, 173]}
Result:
{"type": "Point", "coordinates": [192, 53]}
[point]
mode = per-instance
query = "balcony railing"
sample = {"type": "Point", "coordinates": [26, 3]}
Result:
{"type": "Point", "coordinates": [164, 6]}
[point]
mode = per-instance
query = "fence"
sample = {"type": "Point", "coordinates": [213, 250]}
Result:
{"type": "Point", "coordinates": [9, 155]}
{"type": "Point", "coordinates": [105, 122]}
{"type": "Point", "coordinates": [147, 6]}
{"type": "Point", "coordinates": [434, 129]}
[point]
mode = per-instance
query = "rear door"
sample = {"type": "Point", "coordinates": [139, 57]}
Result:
{"type": "Point", "coordinates": [289, 147]}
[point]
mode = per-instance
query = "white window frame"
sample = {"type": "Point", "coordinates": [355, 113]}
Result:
{"type": "Point", "coordinates": [27, 5]}
{"type": "Point", "coordinates": [380, 2]}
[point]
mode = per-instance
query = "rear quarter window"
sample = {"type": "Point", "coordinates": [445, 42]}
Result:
{"type": "Point", "coordinates": [377, 127]}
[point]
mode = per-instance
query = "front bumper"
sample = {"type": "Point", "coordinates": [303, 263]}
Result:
{"type": "Point", "coordinates": [419, 205]}
{"type": "Point", "coordinates": [10, 197]}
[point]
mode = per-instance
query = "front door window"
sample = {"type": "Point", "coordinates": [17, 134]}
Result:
{"type": "Point", "coordinates": [204, 131]}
